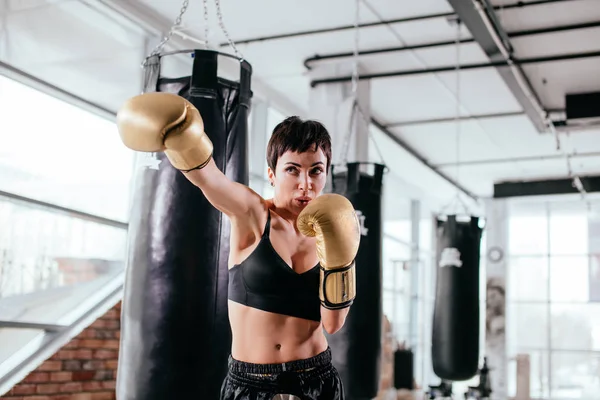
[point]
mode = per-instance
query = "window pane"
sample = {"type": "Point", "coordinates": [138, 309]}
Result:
{"type": "Point", "coordinates": [400, 228]}
{"type": "Point", "coordinates": [576, 327]}
{"type": "Point", "coordinates": [575, 375]}
{"type": "Point", "coordinates": [528, 279]}
{"type": "Point", "coordinates": [539, 373]}
{"type": "Point", "coordinates": [75, 47]}
{"type": "Point", "coordinates": [51, 263]}
{"type": "Point", "coordinates": [528, 326]}
{"type": "Point", "coordinates": [528, 235]}
{"type": "Point", "coordinates": [594, 286]}
{"type": "Point", "coordinates": [395, 255]}
{"type": "Point", "coordinates": [64, 155]}
{"type": "Point", "coordinates": [568, 234]}
{"type": "Point", "coordinates": [569, 278]}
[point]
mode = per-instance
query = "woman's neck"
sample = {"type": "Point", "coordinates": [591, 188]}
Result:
{"type": "Point", "coordinates": [284, 213]}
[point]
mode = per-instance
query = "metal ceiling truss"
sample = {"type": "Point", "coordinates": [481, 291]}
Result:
{"type": "Point", "coordinates": [517, 4]}
{"type": "Point", "coordinates": [514, 34]}
{"type": "Point", "coordinates": [452, 68]}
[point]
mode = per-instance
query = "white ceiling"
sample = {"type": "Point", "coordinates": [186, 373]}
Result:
{"type": "Point", "coordinates": [85, 47]}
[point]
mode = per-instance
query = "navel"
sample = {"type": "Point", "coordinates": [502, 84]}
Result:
{"type": "Point", "coordinates": [278, 346]}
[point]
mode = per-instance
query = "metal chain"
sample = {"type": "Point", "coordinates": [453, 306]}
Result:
{"type": "Point", "coordinates": [167, 37]}
{"type": "Point", "coordinates": [206, 27]}
{"type": "Point", "coordinates": [222, 25]}
{"type": "Point", "coordinates": [355, 106]}
{"type": "Point", "coordinates": [356, 44]}
{"type": "Point", "coordinates": [457, 117]}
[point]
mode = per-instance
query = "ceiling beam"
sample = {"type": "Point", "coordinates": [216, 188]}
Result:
{"type": "Point", "coordinates": [480, 19]}
{"type": "Point", "coordinates": [517, 4]}
{"type": "Point", "coordinates": [452, 68]}
{"type": "Point", "coordinates": [422, 159]}
{"type": "Point", "coordinates": [512, 160]}
{"type": "Point", "coordinates": [589, 184]}
{"type": "Point", "coordinates": [416, 122]}
{"type": "Point", "coordinates": [521, 33]}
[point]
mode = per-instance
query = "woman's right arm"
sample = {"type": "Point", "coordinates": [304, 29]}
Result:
{"type": "Point", "coordinates": [166, 122]}
{"type": "Point", "coordinates": [231, 198]}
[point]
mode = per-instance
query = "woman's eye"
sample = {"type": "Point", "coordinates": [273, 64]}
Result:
{"type": "Point", "coordinates": [317, 171]}
{"type": "Point", "coordinates": [291, 169]}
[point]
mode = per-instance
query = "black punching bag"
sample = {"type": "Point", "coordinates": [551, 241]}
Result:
{"type": "Point", "coordinates": [455, 336]}
{"type": "Point", "coordinates": [175, 337]}
{"type": "Point", "coordinates": [356, 348]}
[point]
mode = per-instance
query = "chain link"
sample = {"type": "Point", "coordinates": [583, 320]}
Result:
{"type": "Point", "coordinates": [167, 37]}
{"type": "Point", "coordinates": [206, 26]}
{"type": "Point", "coordinates": [356, 44]}
{"type": "Point", "coordinates": [458, 98]}
{"type": "Point", "coordinates": [222, 25]}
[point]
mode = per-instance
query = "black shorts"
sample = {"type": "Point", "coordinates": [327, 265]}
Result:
{"type": "Point", "coordinates": [314, 378]}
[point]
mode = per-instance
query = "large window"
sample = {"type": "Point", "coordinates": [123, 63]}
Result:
{"type": "Point", "coordinates": [57, 153]}
{"type": "Point", "coordinates": [64, 199]}
{"type": "Point", "coordinates": [553, 314]}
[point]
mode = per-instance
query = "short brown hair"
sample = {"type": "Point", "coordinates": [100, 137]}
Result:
{"type": "Point", "coordinates": [294, 134]}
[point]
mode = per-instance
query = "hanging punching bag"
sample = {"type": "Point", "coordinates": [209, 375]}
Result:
{"type": "Point", "coordinates": [356, 348]}
{"type": "Point", "coordinates": [175, 337]}
{"type": "Point", "coordinates": [455, 336]}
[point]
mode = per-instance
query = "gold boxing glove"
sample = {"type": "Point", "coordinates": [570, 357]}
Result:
{"type": "Point", "coordinates": [332, 220]}
{"type": "Point", "coordinates": [158, 121]}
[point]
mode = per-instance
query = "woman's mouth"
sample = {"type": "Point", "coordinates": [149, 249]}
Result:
{"type": "Point", "coordinates": [302, 201]}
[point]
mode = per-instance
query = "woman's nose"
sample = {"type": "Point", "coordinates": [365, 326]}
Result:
{"type": "Point", "coordinates": [305, 182]}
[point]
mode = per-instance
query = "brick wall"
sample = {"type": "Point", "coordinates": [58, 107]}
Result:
{"type": "Point", "coordinates": [84, 369]}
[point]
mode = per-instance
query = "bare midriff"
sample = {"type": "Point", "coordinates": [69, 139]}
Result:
{"type": "Point", "coordinates": [262, 337]}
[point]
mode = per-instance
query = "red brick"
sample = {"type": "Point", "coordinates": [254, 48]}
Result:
{"type": "Point", "coordinates": [103, 396]}
{"type": "Point", "coordinates": [37, 398]}
{"type": "Point", "coordinates": [93, 365]}
{"type": "Point", "coordinates": [112, 324]}
{"type": "Point", "coordinates": [109, 385]}
{"type": "Point", "coordinates": [71, 387]}
{"type": "Point", "coordinates": [64, 355]}
{"type": "Point", "coordinates": [91, 386]}
{"type": "Point", "coordinates": [112, 314]}
{"type": "Point", "coordinates": [73, 344]}
{"type": "Point", "coordinates": [83, 354]}
{"type": "Point", "coordinates": [87, 334]}
{"type": "Point", "coordinates": [104, 375]}
{"type": "Point", "coordinates": [72, 365]}
{"type": "Point", "coordinates": [50, 365]}
{"type": "Point", "coordinates": [99, 324]}
{"type": "Point", "coordinates": [111, 344]}
{"type": "Point", "coordinates": [61, 376]}
{"type": "Point", "coordinates": [105, 354]}
{"type": "Point", "coordinates": [48, 388]}
{"type": "Point", "coordinates": [105, 334]}
{"type": "Point", "coordinates": [37, 377]}
{"type": "Point", "coordinates": [21, 389]}
{"type": "Point", "coordinates": [83, 375]}
{"type": "Point", "coordinates": [81, 396]}
{"type": "Point", "coordinates": [111, 364]}
{"type": "Point", "coordinates": [91, 343]}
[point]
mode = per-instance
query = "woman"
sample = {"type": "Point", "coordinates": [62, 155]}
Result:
{"type": "Point", "coordinates": [291, 270]}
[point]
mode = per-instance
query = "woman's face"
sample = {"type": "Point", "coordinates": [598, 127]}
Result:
{"type": "Point", "coordinates": [298, 178]}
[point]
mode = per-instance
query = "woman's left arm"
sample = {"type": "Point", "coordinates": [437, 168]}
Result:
{"type": "Point", "coordinates": [331, 219]}
{"type": "Point", "coordinates": [333, 320]}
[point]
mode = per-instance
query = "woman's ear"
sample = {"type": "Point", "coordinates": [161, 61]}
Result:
{"type": "Point", "coordinates": [271, 175]}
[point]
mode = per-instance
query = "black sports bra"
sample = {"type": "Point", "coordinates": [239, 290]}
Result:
{"type": "Point", "coordinates": [266, 282]}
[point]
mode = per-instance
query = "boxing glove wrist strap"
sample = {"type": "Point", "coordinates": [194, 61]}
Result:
{"type": "Point", "coordinates": [204, 164]}
{"type": "Point", "coordinates": [338, 287]}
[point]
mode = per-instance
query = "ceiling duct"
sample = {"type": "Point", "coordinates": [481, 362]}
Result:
{"type": "Point", "coordinates": [582, 112]}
